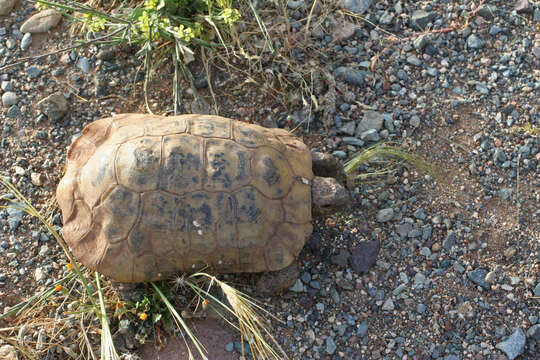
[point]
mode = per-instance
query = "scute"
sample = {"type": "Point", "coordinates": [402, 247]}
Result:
{"type": "Point", "coordinates": [256, 217]}
{"type": "Point", "coordinates": [211, 126]}
{"type": "Point", "coordinates": [297, 203]}
{"type": "Point", "coordinates": [117, 214]}
{"type": "Point", "coordinates": [98, 175]}
{"type": "Point", "coordinates": [138, 164]}
{"type": "Point", "coordinates": [253, 136]}
{"type": "Point", "coordinates": [182, 169]}
{"type": "Point", "coordinates": [227, 165]}
{"type": "Point", "coordinates": [271, 173]}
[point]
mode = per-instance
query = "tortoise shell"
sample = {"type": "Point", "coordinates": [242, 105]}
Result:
{"type": "Point", "coordinates": [145, 196]}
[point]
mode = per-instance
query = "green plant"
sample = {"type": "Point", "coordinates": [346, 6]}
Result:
{"type": "Point", "coordinates": [384, 151]}
{"type": "Point", "coordinates": [159, 28]}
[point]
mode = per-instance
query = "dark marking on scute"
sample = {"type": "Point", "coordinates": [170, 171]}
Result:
{"type": "Point", "coordinates": [271, 176]}
{"type": "Point", "coordinates": [101, 174]}
{"type": "Point", "coordinates": [125, 197]}
{"type": "Point", "coordinates": [242, 166]}
{"type": "Point", "coordinates": [136, 239]}
{"type": "Point", "coordinates": [112, 232]}
{"type": "Point", "coordinates": [219, 164]}
{"type": "Point", "coordinates": [207, 212]}
{"type": "Point", "coordinates": [252, 211]}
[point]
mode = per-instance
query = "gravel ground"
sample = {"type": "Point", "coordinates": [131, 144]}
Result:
{"type": "Point", "coordinates": [420, 266]}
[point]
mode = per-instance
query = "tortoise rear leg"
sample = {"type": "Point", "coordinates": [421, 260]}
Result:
{"type": "Point", "coordinates": [129, 291]}
{"type": "Point", "coordinates": [275, 282]}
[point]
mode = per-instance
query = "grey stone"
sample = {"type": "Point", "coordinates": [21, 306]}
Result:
{"type": "Point", "coordinates": [348, 128]}
{"type": "Point", "coordinates": [370, 135]}
{"type": "Point", "coordinates": [449, 241]}
{"type": "Point", "coordinates": [297, 287]}
{"type": "Point", "coordinates": [478, 277]}
{"type": "Point", "coordinates": [7, 85]}
{"type": "Point", "coordinates": [14, 112]}
{"type": "Point", "coordinates": [474, 42]}
{"type": "Point", "coordinates": [534, 332]}
{"type": "Point", "coordinates": [421, 308]}
{"type": "Point", "coordinates": [33, 71]}
{"type": "Point", "coordinates": [229, 347]}
{"type": "Point", "coordinates": [341, 258]}
{"type": "Point", "coordinates": [362, 329]}
{"type": "Point", "coordinates": [419, 214]}
{"type": "Point", "coordinates": [386, 18]}
{"type": "Point", "coordinates": [350, 75]}
{"type": "Point", "coordinates": [536, 16]}
{"type": "Point", "coordinates": [420, 42]}
{"type": "Point", "coordinates": [371, 120]}
{"type": "Point", "coordinates": [494, 30]}
{"type": "Point", "coordinates": [482, 88]}
{"type": "Point", "coordinates": [536, 52]}
{"type": "Point", "coordinates": [364, 256]}
{"type": "Point", "coordinates": [9, 98]}
{"type": "Point", "coordinates": [6, 6]}
{"type": "Point", "coordinates": [330, 345]}
{"type": "Point", "coordinates": [15, 215]}
{"type": "Point", "coordinates": [514, 345]}
{"type": "Point", "coordinates": [83, 64]}
{"type": "Point", "coordinates": [388, 305]}
{"type": "Point", "coordinates": [521, 7]}
{"type": "Point", "coordinates": [41, 22]}
{"type": "Point", "coordinates": [385, 215]}
{"type": "Point", "coordinates": [357, 6]}
{"type": "Point", "coordinates": [414, 121]}
{"type": "Point", "coordinates": [413, 60]}
{"type": "Point", "coordinates": [536, 289]}
{"type": "Point", "coordinates": [54, 106]}
{"type": "Point", "coordinates": [488, 11]}
{"type": "Point", "coordinates": [352, 141]}
{"type": "Point", "coordinates": [421, 18]}
{"type": "Point", "coordinates": [505, 193]}
{"type": "Point", "coordinates": [26, 41]}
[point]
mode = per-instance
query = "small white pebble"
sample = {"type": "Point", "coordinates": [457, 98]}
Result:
{"type": "Point", "coordinates": [305, 181]}
{"type": "Point", "coordinates": [199, 232]}
{"type": "Point", "coordinates": [220, 262]}
{"type": "Point", "coordinates": [196, 223]}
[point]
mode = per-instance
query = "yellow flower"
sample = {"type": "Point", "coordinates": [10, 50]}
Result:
{"type": "Point", "coordinates": [69, 266]}
{"type": "Point", "coordinates": [58, 288]}
{"type": "Point", "coordinates": [230, 16]}
{"type": "Point", "coordinates": [151, 4]}
{"type": "Point", "coordinates": [185, 33]}
{"type": "Point", "coordinates": [118, 305]}
{"type": "Point", "coordinates": [205, 304]}
{"type": "Point", "coordinates": [143, 316]}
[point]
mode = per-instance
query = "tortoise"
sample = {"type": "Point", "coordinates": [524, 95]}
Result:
{"type": "Point", "coordinates": [145, 197]}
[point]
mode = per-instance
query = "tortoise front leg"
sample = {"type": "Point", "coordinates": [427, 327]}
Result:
{"type": "Point", "coordinates": [275, 282]}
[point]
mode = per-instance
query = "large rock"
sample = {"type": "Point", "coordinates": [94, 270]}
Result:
{"type": "Point", "coordinates": [6, 6]}
{"type": "Point", "coordinates": [8, 352]}
{"type": "Point", "coordinates": [357, 6]}
{"type": "Point", "coordinates": [350, 75]}
{"type": "Point", "coordinates": [41, 22]}
{"type": "Point", "coordinates": [364, 256]}
{"type": "Point", "coordinates": [55, 106]}
{"type": "Point", "coordinates": [514, 345]}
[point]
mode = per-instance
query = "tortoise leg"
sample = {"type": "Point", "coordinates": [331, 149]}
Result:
{"type": "Point", "coordinates": [328, 196]}
{"type": "Point", "coordinates": [275, 282]}
{"type": "Point", "coordinates": [327, 165]}
{"type": "Point", "coordinates": [129, 291]}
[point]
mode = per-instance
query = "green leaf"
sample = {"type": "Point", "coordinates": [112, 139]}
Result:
{"type": "Point", "coordinates": [156, 317]}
